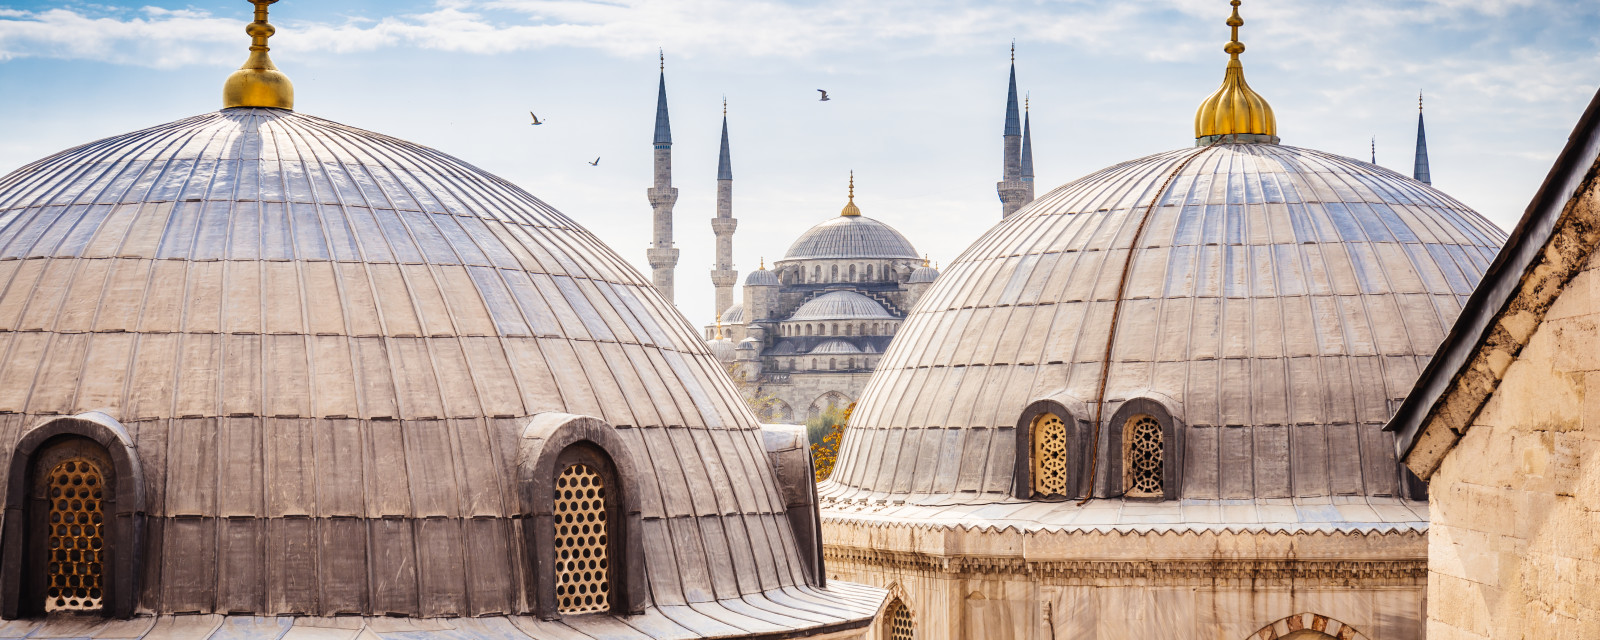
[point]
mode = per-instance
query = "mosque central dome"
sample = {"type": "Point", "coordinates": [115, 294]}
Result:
{"type": "Point", "coordinates": [851, 237]}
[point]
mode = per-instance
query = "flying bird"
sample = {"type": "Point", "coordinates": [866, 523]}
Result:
{"type": "Point", "coordinates": [536, 120]}
{"type": "Point", "coordinates": [596, 162]}
{"type": "Point", "coordinates": [824, 97]}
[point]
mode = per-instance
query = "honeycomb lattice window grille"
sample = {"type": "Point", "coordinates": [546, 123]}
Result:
{"type": "Point", "coordinates": [76, 541]}
{"type": "Point", "coordinates": [900, 624]}
{"type": "Point", "coordinates": [1049, 455]}
{"type": "Point", "coordinates": [1144, 447]}
{"type": "Point", "coordinates": [583, 568]}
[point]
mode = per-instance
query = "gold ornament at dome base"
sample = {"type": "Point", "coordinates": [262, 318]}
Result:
{"type": "Point", "coordinates": [258, 83]}
{"type": "Point", "coordinates": [1235, 113]}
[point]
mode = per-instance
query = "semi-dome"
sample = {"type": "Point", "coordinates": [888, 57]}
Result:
{"type": "Point", "coordinates": [840, 305]}
{"type": "Point", "coordinates": [835, 346]}
{"type": "Point", "coordinates": [734, 314]}
{"type": "Point", "coordinates": [334, 372]}
{"type": "Point", "coordinates": [722, 349]}
{"type": "Point", "coordinates": [1278, 303]}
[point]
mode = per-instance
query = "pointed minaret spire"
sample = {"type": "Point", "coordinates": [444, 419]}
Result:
{"type": "Point", "coordinates": [663, 257]}
{"type": "Point", "coordinates": [1027, 148]}
{"type": "Point", "coordinates": [1420, 170]}
{"type": "Point", "coordinates": [1013, 191]}
{"type": "Point", "coordinates": [1374, 149]}
{"type": "Point", "coordinates": [723, 275]}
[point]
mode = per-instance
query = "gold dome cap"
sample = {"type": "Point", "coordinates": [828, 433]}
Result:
{"type": "Point", "coordinates": [1235, 111]}
{"type": "Point", "coordinates": [258, 83]}
{"type": "Point", "coordinates": [850, 208]}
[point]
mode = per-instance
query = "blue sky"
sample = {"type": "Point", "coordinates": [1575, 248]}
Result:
{"type": "Point", "coordinates": [918, 88]}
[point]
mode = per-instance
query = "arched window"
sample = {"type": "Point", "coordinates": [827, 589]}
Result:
{"type": "Point", "coordinates": [835, 328]}
{"type": "Point", "coordinates": [847, 329]}
{"type": "Point", "coordinates": [898, 622]}
{"type": "Point", "coordinates": [852, 273]}
{"type": "Point", "coordinates": [833, 273]}
{"type": "Point", "coordinates": [1050, 476]}
{"type": "Point", "coordinates": [1143, 450]}
{"type": "Point", "coordinates": [583, 515]}
{"type": "Point", "coordinates": [583, 530]}
{"type": "Point", "coordinates": [816, 273]}
{"type": "Point", "coordinates": [832, 363]}
{"type": "Point", "coordinates": [869, 272]}
{"type": "Point", "coordinates": [862, 330]}
{"type": "Point", "coordinates": [813, 364]}
{"type": "Point", "coordinates": [72, 493]}
{"type": "Point", "coordinates": [808, 329]}
{"type": "Point", "coordinates": [852, 364]}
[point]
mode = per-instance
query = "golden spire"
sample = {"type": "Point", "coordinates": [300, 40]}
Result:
{"type": "Point", "coordinates": [718, 316]}
{"type": "Point", "coordinates": [1235, 109]}
{"type": "Point", "coordinates": [258, 83]}
{"type": "Point", "coordinates": [850, 208]}
{"type": "Point", "coordinates": [763, 266]}
{"type": "Point", "coordinates": [924, 259]}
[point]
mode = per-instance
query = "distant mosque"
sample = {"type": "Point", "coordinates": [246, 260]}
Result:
{"type": "Point", "coordinates": [809, 332]}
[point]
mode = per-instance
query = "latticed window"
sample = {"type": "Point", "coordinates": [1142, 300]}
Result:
{"type": "Point", "coordinates": [583, 568]}
{"type": "Point", "coordinates": [1049, 455]}
{"type": "Point", "coordinates": [900, 625]}
{"type": "Point", "coordinates": [1142, 460]}
{"type": "Point", "coordinates": [76, 539]}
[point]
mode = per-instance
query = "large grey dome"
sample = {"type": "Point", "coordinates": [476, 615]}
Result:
{"type": "Point", "coordinates": [850, 237]}
{"type": "Point", "coordinates": [1279, 303]}
{"type": "Point", "coordinates": [331, 350]}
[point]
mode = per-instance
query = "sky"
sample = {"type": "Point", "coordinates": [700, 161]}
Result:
{"type": "Point", "coordinates": [918, 94]}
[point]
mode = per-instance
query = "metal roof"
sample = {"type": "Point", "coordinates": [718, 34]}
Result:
{"type": "Point", "coordinates": [834, 346]}
{"type": "Point", "coordinates": [1283, 299]}
{"type": "Point", "coordinates": [923, 275]}
{"type": "Point", "coordinates": [840, 305]}
{"type": "Point", "coordinates": [850, 237]}
{"type": "Point", "coordinates": [297, 318]}
{"type": "Point", "coordinates": [761, 277]}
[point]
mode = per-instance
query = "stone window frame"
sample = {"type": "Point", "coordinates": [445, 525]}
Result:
{"type": "Point", "coordinates": [22, 538]}
{"type": "Point", "coordinates": [1074, 413]}
{"type": "Point", "coordinates": [1113, 448]}
{"type": "Point", "coordinates": [550, 442]}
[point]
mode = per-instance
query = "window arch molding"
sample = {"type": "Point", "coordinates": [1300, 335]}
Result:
{"type": "Point", "coordinates": [124, 536]}
{"type": "Point", "coordinates": [1074, 413]}
{"type": "Point", "coordinates": [1165, 411]}
{"type": "Point", "coordinates": [549, 441]}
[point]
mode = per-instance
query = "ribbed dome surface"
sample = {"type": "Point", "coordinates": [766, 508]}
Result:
{"type": "Point", "coordinates": [834, 346]}
{"type": "Point", "coordinates": [1283, 299]}
{"type": "Point", "coordinates": [734, 314]}
{"type": "Point", "coordinates": [761, 277]}
{"type": "Point", "coordinates": [923, 275]}
{"type": "Point", "coordinates": [298, 318]}
{"type": "Point", "coordinates": [850, 237]}
{"type": "Point", "coordinates": [840, 305]}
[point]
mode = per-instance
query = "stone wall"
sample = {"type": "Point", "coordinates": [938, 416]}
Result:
{"type": "Point", "coordinates": [1515, 533]}
{"type": "Point", "coordinates": [1006, 584]}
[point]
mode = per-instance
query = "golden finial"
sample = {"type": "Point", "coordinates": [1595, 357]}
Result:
{"type": "Point", "coordinates": [850, 208]}
{"type": "Point", "coordinates": [924, 259]}
{"type": "Point", "coordinates": [1235, 110]}
{"type": "Point", "coordinates": [258, 83]}
{"type": "Point", "coordinates": [718, 316]}
{"type": "Point", "coordinates": [763, 266]}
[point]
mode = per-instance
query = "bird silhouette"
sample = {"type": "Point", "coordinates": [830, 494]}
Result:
{"type": "Point", "coordinates": [536, 120]}
{"type": "Point", "coordinates": [824, 97]}
{"type": "Point", "coordinates": [596, 162]}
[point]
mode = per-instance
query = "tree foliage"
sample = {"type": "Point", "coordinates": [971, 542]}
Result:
{"type": "Point", "coordinates": [824, 431]}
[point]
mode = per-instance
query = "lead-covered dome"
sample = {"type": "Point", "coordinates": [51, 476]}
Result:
{"type": "Point", "coordinates": [334, 352]}
{"type": "Point", "coordinates": [848, 238]}
{"type": "Point", "coordinates": [840, 305]}
{"type": "Point", "coordinates": [1279, 302]}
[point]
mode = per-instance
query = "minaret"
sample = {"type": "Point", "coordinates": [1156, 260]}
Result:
{"type": "Point", "coordinates": [1027, 150]}
{"type": "Point", "coordinates": [1420, 171]}
{"type": "Point", "coordinates": [1013, 192]}
{"type": "Point", "coordinates": [662, 255]}
{"type": "Point", "coordinates": [723, 276]}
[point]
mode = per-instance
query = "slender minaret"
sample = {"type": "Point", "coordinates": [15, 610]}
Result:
{"type": "Point", "coordinates": [1027, 150]}
{"type": "Point", "coordinates": [723, 276]}
{"type": "Point", "coordinates": [662, 255]}
{"type": "Point", "coordinates": [1374, 149]}
{"type": "Point", "coordinates": [1420, 171]}
{"type": "Point", "coordinates": [1013, 192]}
